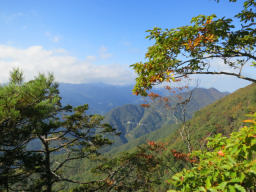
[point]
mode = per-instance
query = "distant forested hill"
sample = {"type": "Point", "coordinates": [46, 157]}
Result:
{"type": "Point", "coordinates": [136, 123]}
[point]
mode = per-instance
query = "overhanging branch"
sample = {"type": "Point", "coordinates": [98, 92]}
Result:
{"type": "Point", "coordinates": [218, 73]}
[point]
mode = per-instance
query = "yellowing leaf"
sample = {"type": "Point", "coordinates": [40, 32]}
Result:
{"type": "Point", "coordinates": [248, 121]}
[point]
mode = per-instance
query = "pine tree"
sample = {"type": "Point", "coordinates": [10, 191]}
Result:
{"type": "Point", "coordinates": [34, 127]}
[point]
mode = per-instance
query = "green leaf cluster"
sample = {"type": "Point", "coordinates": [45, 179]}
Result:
{"type": "Point", "coordinates": [229, 164]}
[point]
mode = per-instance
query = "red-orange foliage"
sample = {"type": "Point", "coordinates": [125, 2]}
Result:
{"type": "Point", "coordinates": [109, 181]}
{"type": "Point", "coordinates": [153, 95]}
{"type": "Point", "coordinates": [183, 156]}
{"type": "Point", "coordinates": [165, 99]}
{"type": "Point", "coordinates": [145, 105]}
{"type": "Point", "coordinates": [220, 153]}
{"type": "Point", "coordinates": [167, 87]}
{"type": "Point", "coordinates": [179, 97]}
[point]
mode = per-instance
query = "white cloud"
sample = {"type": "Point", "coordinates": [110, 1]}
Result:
{"type": "Point", "coordinates": [91, 58]}
{"type": "Point", "coordinates": [66, 68]}
{"type": "Point", "coordinates": [53, 38]}
{"type": "Point", "coordinates": [103, 53]}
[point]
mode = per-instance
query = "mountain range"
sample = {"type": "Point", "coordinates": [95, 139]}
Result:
{"type": "Point", "coordinates": [124, 112]}
{"type": "Point", "coordinates": [100, 97]}
{"type": "Point", "coordinates": [136, 122]}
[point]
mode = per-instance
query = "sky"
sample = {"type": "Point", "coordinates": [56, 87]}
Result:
{"type": "Point", "coordinates": [94, 41]}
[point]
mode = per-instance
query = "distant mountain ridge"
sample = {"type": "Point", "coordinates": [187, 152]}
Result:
{"type": "Point", "coordinates": [100, 97]}
{"type": "Point", "coordinates": [135, 121]}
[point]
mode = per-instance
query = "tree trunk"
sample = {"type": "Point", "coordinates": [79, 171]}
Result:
{"type": "Point", "coordinates": [48, 167]}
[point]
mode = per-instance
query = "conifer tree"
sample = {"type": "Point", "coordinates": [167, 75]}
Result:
{"type": "Point", "coordinates": [34, 127]}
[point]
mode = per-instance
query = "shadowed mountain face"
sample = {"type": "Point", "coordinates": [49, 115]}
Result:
{"type": "Point", "coordinates": [134, 121]}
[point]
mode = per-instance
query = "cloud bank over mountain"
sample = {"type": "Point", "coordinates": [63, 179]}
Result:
{"type": "Point", "coordinates": [66, 68]}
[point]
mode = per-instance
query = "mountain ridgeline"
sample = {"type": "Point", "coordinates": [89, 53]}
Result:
{"type": "Point", "coordinates": [137, 123]}
{"type": "Point", "coordinates": [101, 98]}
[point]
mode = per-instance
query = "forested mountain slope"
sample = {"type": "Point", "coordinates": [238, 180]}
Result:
{"type": "Point", "coordinates": [136, 123]}
{"type": "Point", "coordinates": [223, 116]}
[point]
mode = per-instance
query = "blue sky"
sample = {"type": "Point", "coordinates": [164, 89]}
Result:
{"type": "Point", "coordinates": [85, 41]}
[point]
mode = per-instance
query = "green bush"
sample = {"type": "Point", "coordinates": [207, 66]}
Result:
{"type": "Point", "coordinates": [228, 164]}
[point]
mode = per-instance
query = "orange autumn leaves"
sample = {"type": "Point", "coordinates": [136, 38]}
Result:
{"type": "Point", "coordinates": [157, 147]}
{"type": "Point", "coordinates": [175, 91]}
{"type": "Point", "coordinates": [167, 76]}
{"type": "Point", "coordinates": [249, 121]}
{"type": "Point", "coordinates": [221, 153]}
{"type": "Point", "coordinates": [203, 36]}
{"type": "Point", "coordinates": [183, 156]}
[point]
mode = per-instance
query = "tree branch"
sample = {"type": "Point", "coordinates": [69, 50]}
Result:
{"type": "Point", "coordinates": [218, 73]}
{"type": "Point", "coordinates": [68, 159]}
